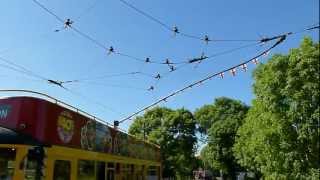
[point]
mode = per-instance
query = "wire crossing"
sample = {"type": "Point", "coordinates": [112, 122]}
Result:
{"type": "Point", "coordinates": [280, 39]}
{"type": "Point", "coordinates": [61, 84]}
{"type": "Point", "coordinates": [68, 24]}
{"type": "Point", "coordinates": [243, 65]}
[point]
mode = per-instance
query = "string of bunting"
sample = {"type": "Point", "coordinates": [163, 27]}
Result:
{"type": "Point", "coordinates": [232, 70]}
{"type": "Point", "coordinates": [68, 24]}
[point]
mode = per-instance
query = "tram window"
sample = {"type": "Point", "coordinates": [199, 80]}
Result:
{"type": "Point", "coordinates": [110, 171]}
{"type": "Point", "coordinates": [86, 170]}
{"type": "Point", "coordinates": [152, 173]}
{"type": "Point", "coordinates": [32, 171]}
{"type": "Point", "coordinates": [110, 165]}
{"type": "Point", "coordinates": [7, 163]}
{"type": "Point", "coordinates": [110, 174]}
{"type": "Point", "coordinates": [118, 168]}
{"type": "Point", "coordinates": [100, 170]}
{"type": "Point", "coordinates": [62, 170]}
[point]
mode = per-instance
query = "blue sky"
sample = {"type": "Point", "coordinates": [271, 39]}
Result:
{"type": "Point", "coordinates": [28, 39]}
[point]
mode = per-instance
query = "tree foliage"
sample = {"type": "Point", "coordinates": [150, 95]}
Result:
{"type": "Point", "coordinates": [280, 136]}
{"type": "Point", "coordinates": [220, 121]}
{"type": "Point", "coordinates": [174, 131]}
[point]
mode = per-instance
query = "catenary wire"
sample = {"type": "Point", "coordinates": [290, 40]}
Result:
{"type": "Point", "coordinates": [172, 29]}
{"type": "Point", "coordinates": [112, 85]}
{"type": "Point", "coordinates": [105, 48]}
{"type": "Point", "coordinates": [21, 69]}
{"type": "Point", "coordinates": [93, 101]}
{"type": "Point", "coordinates": [279, 41]}
{"type": "Point", "coordinates": [93, 40]}
{"type": "Point", "coordinates": [264, 40]}
{"type": "Point", "coordinates": [88, 9]}
{"type": "Point", "coordinates": [48, 11]}
{"type": "Point", "coordinates": [134, 73]}
{"type": "Point", "coordinates": [184, 65]}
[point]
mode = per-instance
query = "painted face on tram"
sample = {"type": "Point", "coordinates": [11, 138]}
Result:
{"type": "Point", "coordinates": [65, 127]}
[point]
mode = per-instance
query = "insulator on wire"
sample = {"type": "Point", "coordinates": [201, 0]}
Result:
{"type": "Point", "coordinates": [110, 50]}
{"type": "Point", "coordinates": [151, 88]}
{"type": "Point", "coordinates": [206, 39]}
{"type": "Point", "coordinates": [233, 71]}
{"type": "Point", "coordinates": [147, 60]}
{"type": "Point", "coordinates": [68, 23]}
{"type": "Point", "coordinates": [222, 75]}
{"type": "Point", "coordinates": [175, 30]}
{"type": "Point", "coordinates": [244, 67]}
{"type": "Point", "coordinates": [255, 61]}
{"type": "Point", "coordinates": [158, 76]}
{"type": "Point", "coordinates": [167, 61]}
{"type": "Point", "coordinates": [172, 68]}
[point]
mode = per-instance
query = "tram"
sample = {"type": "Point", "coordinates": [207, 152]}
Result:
{"type": "Point", "coordinates": [46, 139]}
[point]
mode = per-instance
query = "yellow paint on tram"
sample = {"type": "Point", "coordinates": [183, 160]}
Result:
{"type": "Point", "coordinates": [118, 167]}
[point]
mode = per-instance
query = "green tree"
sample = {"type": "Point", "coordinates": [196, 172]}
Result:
{"type": "Point", "coordinates": [174, 131]}
{"type": "Point", "coordinates": [280, 136]}
{"type": "Point", "coordinates": [220, 121]}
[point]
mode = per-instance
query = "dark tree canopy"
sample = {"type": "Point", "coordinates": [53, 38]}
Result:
{"type": "Point", "coordinates": [280, 136]}
{"type": "Point", "coordinates": [175, 132]}
{"type": "Point", "coordinates": [220, 121]}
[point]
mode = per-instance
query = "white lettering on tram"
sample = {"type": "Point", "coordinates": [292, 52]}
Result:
{"type": "Point", "coordinates": [4, 111]}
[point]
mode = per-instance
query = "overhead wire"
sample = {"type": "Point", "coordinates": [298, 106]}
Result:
{"type": "Point", "coordinates": [175, 29]}
{"type": "Point", "coordinates": [199, 60]}
{"type": "Point", "coordinates": [134, 73]}
{"type": "Point", "coordinates": [20, 78]}
{"type": "Point", "coordinates": [147, 15]}
{"type": "Point", "coordinates": [113, 85]}
{"type": "Point", "coordinates": [262, 42]}
{"type": "Point", "coordinates": [132, 57]}
{"type": "Point", "coordinates": [109, 50]}
{"type": "Point", "coordinates": [193, 84]}
{"type": "Point", "coordinates": [18, 68]}
{"type": "Point", "coordinates": [110, 109]}
{"type": "Point", "coordinates": [280, 39]}
{"type": "Point", "coordinates": [89, 8]}
{"type": "Point", "coordinates": [49, 11]}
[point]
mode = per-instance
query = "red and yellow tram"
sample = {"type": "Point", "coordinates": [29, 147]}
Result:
{"type": "Point", "coordinates": [43, 138]}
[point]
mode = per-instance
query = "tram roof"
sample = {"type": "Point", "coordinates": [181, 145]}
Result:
{"type": "Point", "coordinates": [51, 121]}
